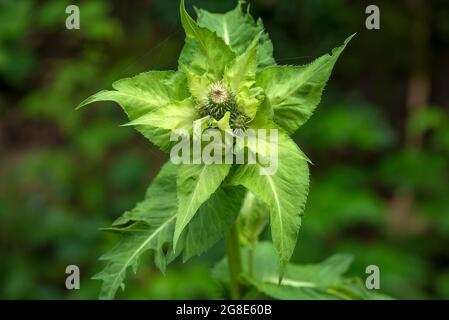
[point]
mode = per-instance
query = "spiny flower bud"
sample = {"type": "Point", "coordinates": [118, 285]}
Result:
{"type": "Point", "coordinates": [220, 100]}
{"type": "Point", "coordinates": [239, 122]}
{"type": "Point", "coordinates": [218, 93]}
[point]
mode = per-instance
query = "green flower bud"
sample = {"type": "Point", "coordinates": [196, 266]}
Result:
{"type": "Point", "coordinates": [220, 100]}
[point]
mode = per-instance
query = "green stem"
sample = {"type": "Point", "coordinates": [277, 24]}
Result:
{"type": "Point", "coordinates": [251, 260]}
{"type": "Point", "coordinates": [232, 243]}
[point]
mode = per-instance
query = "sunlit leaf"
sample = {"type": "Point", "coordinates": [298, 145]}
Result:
{"type": "Point", "coordinates": [238, 29]}
{"type": "Point", "coordinates": [295, 91]}
{"type": "Point", "coordinates": [285, 193]}
{"type": "Point", "coordinates": [195, 184]}
{"type": "Point", "coordinates": [240, 76]}
{"type": "Point", "coordinates": [204, 51]}
{"type": "Point", "coordinates": [144, 93]}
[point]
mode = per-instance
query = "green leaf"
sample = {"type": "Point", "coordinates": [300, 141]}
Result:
{"type": "Point", "coordinates": [238, 29]}
{"type": "Point", "coordinates": [240, 76]}
{"type": "Point", "coordinates": [198, 84]}
{"type": "Point", "coordinates": [223, 123]}
{"type": "Point", "coordinates": [195, 184]}
{"type": "Point", "coordinates": [285, 193]}
{"type": "Point", "coordinates": [212, 220]}
{"type": "Point", "coordinates": [323, 281]}
{"type": "Point", "coordinates": [144, 93]}
{"type": "Point", "coordinates": [295, 91]}
{"type": "Point", "coordinates": [173, 116]}
{"type": "Point", "coordinates": [151, 225]}
{"type": "Point", "coordinates": [156, 234]}
{"type": "Point", "coordinates": [204, 51]}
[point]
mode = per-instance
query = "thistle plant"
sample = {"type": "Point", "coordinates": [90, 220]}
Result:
{"type": "Point", "coordinates": [227, 79]}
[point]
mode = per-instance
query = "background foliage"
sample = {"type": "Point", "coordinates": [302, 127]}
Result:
{"type": "Point", "coordinates": [379, 141]}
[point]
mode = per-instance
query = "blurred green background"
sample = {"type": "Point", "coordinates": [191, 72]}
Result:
{"type": "Point", "coordinates": [379, 141]}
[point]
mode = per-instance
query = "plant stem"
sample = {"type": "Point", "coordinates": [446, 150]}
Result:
{"type": "Point", "coordinates": [232, 243]}
{"type": "Point", "coordinates": [251, 261]}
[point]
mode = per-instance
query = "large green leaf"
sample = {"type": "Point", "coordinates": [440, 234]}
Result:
{"type": "Point", "coordinates": [195, 184]}
{"type": "Point", "coordinates": [238, 29]}
{"type": "Point", "coordinates": [295, 91]}
{"type": "Point", "coordinates": [159, 208]}
{"type": "Point", "coordinates": [323, 281]}
{"type": "Point", "coordinates": [212, 220]}
{"type": "Point", "coordinates": [144, 93]}
{"type": "Point", "coordinates": [209, 224]}
{"type": "Point", "coordinates": [151, 225]}
{"type": "Point", "coordinates": [204, 51]}
{"type": "Point", "coordinates": [285, 193]}
{"type": "Point", "coordinates": [173, 116]}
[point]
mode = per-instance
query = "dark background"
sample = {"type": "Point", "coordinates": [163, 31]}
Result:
{"type": "Point", "coordinates": [379, 141]}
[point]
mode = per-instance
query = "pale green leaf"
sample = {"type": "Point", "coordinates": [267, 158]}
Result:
{"type": "Point", "coordinates": [295, 91]}
{"type": "Point", "coordinates": [195, 184]}
{"type": "Point", "coordinates": [223, 123]}
{"type": "Point", "coordinates": [272, 130]}
{"type": "Point", "coordinates": [144, 93]}
{"type": "Point", "coordinates": [240, 76]}
{"type": "Point", "coordinates": [198, 84]}
{"type": "Point", "coordinates": [238, 29]}
{"type": "Point", "coordinates": [173, 116]}
{"type": "Point", "coordinates": [204, 52]}
{"type": "Point", "coordinates": [285, 193]}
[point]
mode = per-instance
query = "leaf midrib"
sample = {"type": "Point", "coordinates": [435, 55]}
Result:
{"type": "Point", "coordinates": [137, 97]}
{"type": "Point", "coordinates": [194, 27]}
{"type": "Point", "coordinates": [225, 31]}
{"type": "Point", "coordinates": [306, 77]}
{"type": "Point", "coordinates": [123, 269]}
{"type": "Point", "coordinates": [279, 209]}
{"type": "Point", "coordinates": [182, 223]}
{"type": "Point", "coordinates": [291, 282]}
